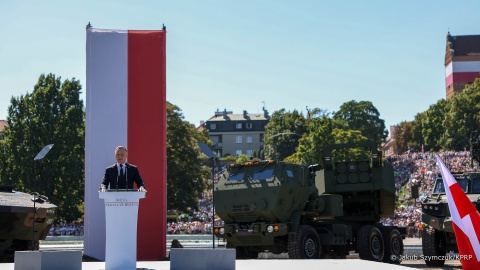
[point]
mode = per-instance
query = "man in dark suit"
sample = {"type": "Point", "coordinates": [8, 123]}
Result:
{"type": "Point", "coordinates": [121, 175]}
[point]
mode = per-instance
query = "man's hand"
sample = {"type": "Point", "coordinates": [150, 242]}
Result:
{"type": "Point", "coordinates": [141, 189]}
{"type": "Point", "coordinates": [103, 188]}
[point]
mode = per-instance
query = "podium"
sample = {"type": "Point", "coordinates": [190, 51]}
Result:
{"type": "Point", "coordinates": [121, 214]}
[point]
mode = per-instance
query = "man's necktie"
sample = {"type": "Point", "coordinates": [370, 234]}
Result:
{"type": "Point", "coordinates": [121, 170]}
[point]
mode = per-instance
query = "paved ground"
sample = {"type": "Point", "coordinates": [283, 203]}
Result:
{"type": "Point", "coordinates": [413, 248]}
{"type": "Point", "coordinates": [258, 265]}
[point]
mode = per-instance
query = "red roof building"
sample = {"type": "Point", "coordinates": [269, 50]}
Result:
{"type": "Point", "coordinates": [462, 62]}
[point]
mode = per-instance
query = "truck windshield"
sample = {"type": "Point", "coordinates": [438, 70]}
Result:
{"type": "Point", "coordinates": [262, 175]}
{"type": "Point", "coordinates": [236, 176]}
{"type": "Point", "coordinates": [475, 185]}
{"type": "Point", "coordinates": [440, 188]}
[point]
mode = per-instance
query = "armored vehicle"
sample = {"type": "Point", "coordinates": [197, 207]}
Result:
{"type": "Point", "coordinates": [16, 221]}
{"type": "Point", "coordinates": [438, 237]}
{"type": "Point", "coordinates": [318, 211]}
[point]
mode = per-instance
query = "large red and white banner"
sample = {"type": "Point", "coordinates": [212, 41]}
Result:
{"type": "Point", "coordinates": [126, 105]}
{"type": "Point", "coordinates": [466, 220]}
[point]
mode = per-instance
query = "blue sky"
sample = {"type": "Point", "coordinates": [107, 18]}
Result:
{"type": "Point", "coordinates": [240, 55]}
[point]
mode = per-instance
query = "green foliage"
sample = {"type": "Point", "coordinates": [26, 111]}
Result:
{"type": "Point", "coordinates": [51, 114]}
{"type": "Point", "coordinates": [362, 116]}
{"type": "Point", "coordinates": [229, 157]}
{"type": "Point", "coordinates": [242, 159]}
{"type": "Point", "coordinates": [186, 177]}
{"type": "Point", "coordinates": [417, 126]}
{"type": "Point", "coordinates": [433, 126]}
{"type": "Point", "coordinates": [462, 116]}
{"type": "Point", "coordinates": [310, 148]}
{"type": "Point", "coordinates": [446, 124]}
{"type": "Point", "coordinates": [282, 134]}
{"type": "Point", "coordinates": [318, 129]}
{"type": "Point", "coordinates": [346, 154]}
{"type": "Point", "coordinates": [402, 136]}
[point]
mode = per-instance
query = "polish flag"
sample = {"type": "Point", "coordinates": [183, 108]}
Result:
{"type": "Point", "coordinates": [126, 105]}
{"type": "Point", "coordinates": [466, 220]}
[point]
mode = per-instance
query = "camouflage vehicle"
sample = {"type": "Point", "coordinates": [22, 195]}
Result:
{"type": "Point", "coordinates": [438, 237]}
{"type": "Point", "coordinates": [16, 216]}
{"type": "Point", "coordinates": [318, 211]}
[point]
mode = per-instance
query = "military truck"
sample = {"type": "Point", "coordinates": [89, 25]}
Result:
{"type": "Point", "coordinates": [319, 211]}
{"type": "Point", "coordinates": [438, 237]}
{"type": "Point", "coordinates": [16, 221]}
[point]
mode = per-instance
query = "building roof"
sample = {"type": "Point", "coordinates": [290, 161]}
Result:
{"type": "Point", "coordinates": [464, 45]}
{"type": "Point", "coordinates": [230, 116]}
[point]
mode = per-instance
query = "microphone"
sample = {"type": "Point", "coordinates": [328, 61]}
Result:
{"type": "Point", "coordinates": [126, 177]}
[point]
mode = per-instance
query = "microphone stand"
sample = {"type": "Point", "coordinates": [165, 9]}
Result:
{"type": "Point", "coordinates": [117, 178]}
{"type": "Point", "coordinates": [126, 176]}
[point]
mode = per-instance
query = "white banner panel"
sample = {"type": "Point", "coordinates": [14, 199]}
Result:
{"type": "Point", "coordinates": [448, 70]}
{"type": "Point", "coordinates": [106, 124]}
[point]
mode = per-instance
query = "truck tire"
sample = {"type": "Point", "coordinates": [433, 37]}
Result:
{"type": "Point", "coordinates": [393, 244]}
{"type": "Point", "coordinates": [306, 244]}
{"type": "Point", "coordinates": [370, 244]}
{"type": "Point", "coordinates": [433, 244]}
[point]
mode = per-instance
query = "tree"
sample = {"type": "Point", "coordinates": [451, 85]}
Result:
{"type": "Point", "coordinates": [347, 154]}
{"type": "Point", "coordinates": [362, 116]}
{"type": "Point", "coordinates": [310, 148]}
{"type": "Point", "coordinates": [417, 141]}
{"type": "Point", "coordinates": [282, 133]}
{"type": "Point", "coordinates": [402, 136]}
{"type": "Point", "coordinates": [462, 117]}
{"type": "Point", "coordinates": [186, 176]}
{"type": "Point", "coordinates": [51, 114]}
{"type": "Point", "coordinates": [433, 126]}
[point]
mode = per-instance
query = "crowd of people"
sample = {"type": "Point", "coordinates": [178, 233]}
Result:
{"type": "Point", "coordinates": [66, 229]}
{"type": "Point", "coordinates": [420, 169]}
{"type": "Point", "coordinates": [198, 219]}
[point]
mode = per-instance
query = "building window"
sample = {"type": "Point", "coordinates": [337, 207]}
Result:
{"type": "Point", "coordinates": [238, 139]}
{"type": "Point", "coordinates": [213, 126]}
{"type": "Point", "coordinates": [249, 125]}
{"type": "Point", "coordinates": [249, 153]}
{"type": "Point", "coordinates": [238, 152]}
{"type": "Point", "coordinates": [249, 139]}
{"type": "Point", "coordinates": [239, 125]}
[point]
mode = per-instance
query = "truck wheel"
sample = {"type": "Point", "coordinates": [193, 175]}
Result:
{"type": "Point", "coordinates": [306, 244]}
{"type": "Point", "coordinates": [370, 244]}
{"type": "Point", "coordinates": [433, 244]}
{"type": "Point", "coordinates": [393, 243]}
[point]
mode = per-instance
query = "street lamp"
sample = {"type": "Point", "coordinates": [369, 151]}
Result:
{"type": "Point", "coordinates": [284, 133]}
{"type": "Point", "coordinates": [209, 153]}
{"type": "Point", "coordinates": [39, 156]}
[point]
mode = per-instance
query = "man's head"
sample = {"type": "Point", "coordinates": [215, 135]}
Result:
{"type": "Point", "coordinates": [121, 154]}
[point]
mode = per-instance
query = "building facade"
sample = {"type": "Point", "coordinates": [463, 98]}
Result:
{"type": "Point", "coordinates": [3, 124]}
{"type": "Point", "coordinates": [237, 134]}
{"type": "Point", "coordinates": [462, 62]}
